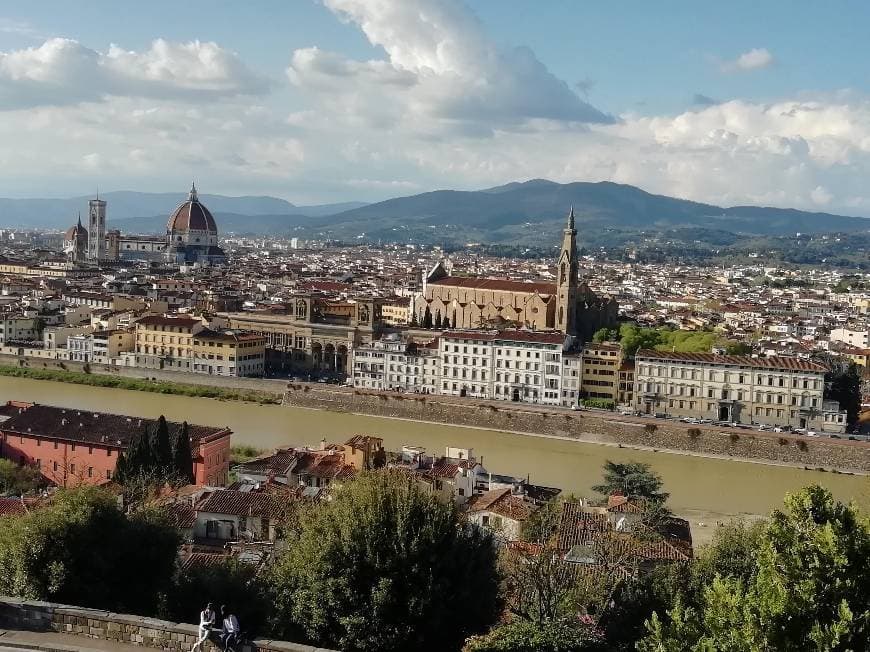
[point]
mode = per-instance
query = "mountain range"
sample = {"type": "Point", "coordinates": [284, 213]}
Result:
{"type": "Point", "coordinates": [527, 213]}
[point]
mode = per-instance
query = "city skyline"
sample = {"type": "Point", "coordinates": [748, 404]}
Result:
{"type": "Point", "coordinates": [350, 100]}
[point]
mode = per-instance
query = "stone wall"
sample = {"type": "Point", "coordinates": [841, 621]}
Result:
{"type": "Point", "coordinates": [149, 633]}
{"type": "Point", "coordinates": [592, 426]}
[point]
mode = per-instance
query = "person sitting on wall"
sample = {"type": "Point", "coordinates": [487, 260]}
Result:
{"type": "Point", "coordinates": [231, 633]}
{"type": "Point", "coordinates": [206, 622]}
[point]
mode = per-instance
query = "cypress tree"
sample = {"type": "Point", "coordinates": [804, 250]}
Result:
{"type": "Point", "coordinates": [183, 458]}
{"type": "Point", "coordinates": [438, 322]}
{"type": "Point", "coordinates": [161, 448]}
{"type": "Point", "coordinates": [427, 318]}
{"type": "Point", "coordinates": [120, 474]}
{"type": "Point", "coordinates": [138, 456]}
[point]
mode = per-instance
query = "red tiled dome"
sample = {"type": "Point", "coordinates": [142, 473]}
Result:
{"type": "Point", "coordinates": [191, 216]}
{"type": "Point", "coordinates": [72, 231]}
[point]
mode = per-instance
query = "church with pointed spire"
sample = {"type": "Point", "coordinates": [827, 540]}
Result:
{"type": "Point", "coordinates": [470, 302]}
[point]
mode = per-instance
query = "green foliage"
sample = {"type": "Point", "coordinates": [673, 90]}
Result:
{"type": "Point", "coordinates": [385, 566]}
{"type": "Point", "coordinates": [156, 456]}
{"type": "Point", "coordinates": [231, 582]}
{"type": "Point", "coordinates": [83, 550]}
{"type": "Point", "coordinates": [18, 479]}
{"type": "Point", "coordinates": [800, 582]}
{"type": "Point", "coordinates": [633, 337]}
{"type": "Point", "coordinates": [563, 635]}
{"type": "Point", "coordinates": [733, 347]}
{"type": "Point", "coordinates": [605, 335]}
{"type": "Point", "coordinates": [244, 453]}
{"type": "Point", "coordinates": [142, 385]}
{"type": "Point", "coordinates": [843, 384]}
{"type": "Point", "coordinates": [633, 480]}
{"type": "Point", "coordinates": [601, 403]}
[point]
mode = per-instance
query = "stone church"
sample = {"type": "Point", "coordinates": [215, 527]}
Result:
{"type": "Point", "coordinates": [567, 305]}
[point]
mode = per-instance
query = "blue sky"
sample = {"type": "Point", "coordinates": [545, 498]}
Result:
{"type": "Point", "coordinates": [738, 102]}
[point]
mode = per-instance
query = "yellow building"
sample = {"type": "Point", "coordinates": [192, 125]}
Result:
{"type": "Point", "coordinates": [166, 342]}
{"type": "Point", "coordinates": [229, 353]}
{"type": "Point", "coordinates": [396, 312]}
{"type": "Point", "coordinates": [600, 371]}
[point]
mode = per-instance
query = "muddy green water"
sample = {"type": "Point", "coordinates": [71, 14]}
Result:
{"type": "Point", "coordinates": [703, 490]}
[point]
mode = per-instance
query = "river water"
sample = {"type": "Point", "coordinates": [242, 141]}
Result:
{"type": "Point", "coordinates": [703, 490]}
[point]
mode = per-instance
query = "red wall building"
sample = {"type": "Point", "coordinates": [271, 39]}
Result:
{"type": "Point", "coordinates": [72, 447]}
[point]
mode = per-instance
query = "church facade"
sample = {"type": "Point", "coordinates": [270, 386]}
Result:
{"type": "Point", "coordinates": [567, 306]}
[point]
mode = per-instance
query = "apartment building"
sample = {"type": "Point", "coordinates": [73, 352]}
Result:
{"type": "Point", "coordinates": [600, 375]}
{"type": "Point", "coordinates": [858, 337]}
{"type": "Point", "coordinates": [572, 375]}
{"type": "Point", "coordinates": [391, 363]}
{"type": "Point", "coordinates": [734, 388]}
{"type": "Point", "coordinates": [528, 366]}
{"type": "Point", "coordinates": [466, 363]}
{"type": "Point", "coordinates": [164, 342]}
{"type": "Point", "coordinates": [228, 352]}
{"type": "Point", "coordinates": [18, 328]}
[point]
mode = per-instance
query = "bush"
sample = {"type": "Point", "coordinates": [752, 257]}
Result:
{"type": "Point", "coordinates": [802, 445]}
{"type": "Point", "coordinates": [650, 428]}
{"type": "Point", "coordinates": [783, 441]}
{"type": "Point", "coordinates": [734, 437]}
{"type": "Point", "coordinates": [694, 433]}
{"type": "Point", "coordinates": [83, 550]}
{"type": "Point", "coordinates": [600, 403]}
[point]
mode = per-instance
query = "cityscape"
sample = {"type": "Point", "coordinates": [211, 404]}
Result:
{"type": "Point", "coordinates": [508, 401]}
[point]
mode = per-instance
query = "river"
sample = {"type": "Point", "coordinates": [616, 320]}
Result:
{"type": "Point", "coordinates": [704, 490]}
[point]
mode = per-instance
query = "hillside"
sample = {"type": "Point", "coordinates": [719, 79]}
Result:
{"type": "Point", "coordinates": [533, 212]}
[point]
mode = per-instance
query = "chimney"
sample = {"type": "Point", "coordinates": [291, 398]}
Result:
{"type": "Point", "coordinates": [323, 444]}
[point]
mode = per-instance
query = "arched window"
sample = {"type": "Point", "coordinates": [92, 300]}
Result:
{"type": "Point", "coordinates": [564, 272]}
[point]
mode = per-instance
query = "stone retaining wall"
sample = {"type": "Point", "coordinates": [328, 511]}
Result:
{"type": "Point", "coordinates": [592, 426]}
{"type": "Point", "coordinates": [150, 633]}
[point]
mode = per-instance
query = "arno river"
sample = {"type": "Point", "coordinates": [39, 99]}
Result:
{"type": "Point", "coordinates": [703, 490]}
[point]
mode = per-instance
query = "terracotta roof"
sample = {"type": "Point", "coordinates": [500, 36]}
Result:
{"type": "Point", "coordinates": [114, 430]}
{"type": "Point", "coordinates": [327, 286]}
{"type": "Point", "coordinates": [242, 503]}
{"type": "Point", "coordinates": [542, 337]}
{"type": "Point", "coordinates": [204, 560]}
{"type": "Point", "coordinates": [161, 320]}
{"type": "Point", "coordinates": [496, 284]}
{"type": "Point", "coordinates": [12, 507]}
{"type": "Point", "coordinates": [191, 215]}
{"type": "Point", "coordinates": [775, 362]}
{"type": "Point", "coordinates": [280, 462]}
{"type": "Point", "coordinates": [501, 502]}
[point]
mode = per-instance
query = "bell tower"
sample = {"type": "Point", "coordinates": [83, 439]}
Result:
{"type": "Point", "coordinates": [97, 230]}
{"type": "Point", "coordinates": [566, 280]}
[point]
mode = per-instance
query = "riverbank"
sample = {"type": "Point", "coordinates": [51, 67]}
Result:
{"type": "Point", "coordinates": [822, 454]}
{"type": "Point", "coordinates": [704, 489]}
{"type": "Point", "coordinates": [140, 384]}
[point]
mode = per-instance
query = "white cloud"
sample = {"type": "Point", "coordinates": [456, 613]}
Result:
{"type": "Point", "coordinates": [63, 71]}
{"type": "Point", "coordinates": [442, 73]}
{"type": "Point", "coordinates": [754, 59]}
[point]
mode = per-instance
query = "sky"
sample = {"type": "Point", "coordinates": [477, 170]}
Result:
{"type": "Point", "coordinates": [321, 101]}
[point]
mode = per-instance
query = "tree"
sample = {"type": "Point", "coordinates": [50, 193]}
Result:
{"type": "Point", "coordinates": [427, 318]}
{"type": "Point", "coordinates": [806, 587]}
{"type": "Point", "coordinates": [633, 480]}
{"type": "Point", "coordinates": [438, 323]}
{"type": "Point", "coordinates": [385, 566]}
{"type": "Point", "coordinates": [18, 479]}
{"type": "Point", "coordinates": [82, 549]}
{"type": "Point", "coordinates": [604, 335]}
{"type": "Point", "coordinates": [159, 444]}
{"type": "Point", "coordinates": [182, 457]}
{"type": "Point", "coordinates": [738, 348]}
{"type": "Point", "coordinates": [632, 338]}
{"type": "Point", "coordinates": [843, 384]}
